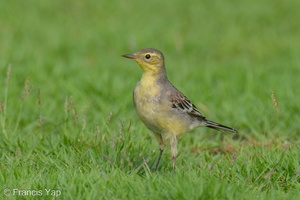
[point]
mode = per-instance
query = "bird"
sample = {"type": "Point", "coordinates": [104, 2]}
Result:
{"type": "Point", "coordinates": [164, 110]}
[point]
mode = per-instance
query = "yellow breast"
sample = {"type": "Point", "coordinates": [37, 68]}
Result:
{"type": "Point", "coordinates": [147, 102]}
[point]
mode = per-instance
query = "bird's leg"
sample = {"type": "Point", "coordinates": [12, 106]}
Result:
{"type": "Point", "coordinates": [160, 141]}
{"type": "Point", "coordinates": [158, 158]}
{"type": "Point", "coordinates": [174, 141]}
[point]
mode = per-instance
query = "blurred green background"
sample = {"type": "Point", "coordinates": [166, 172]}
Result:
{"type": "Point", "coordinates": [228, 57]}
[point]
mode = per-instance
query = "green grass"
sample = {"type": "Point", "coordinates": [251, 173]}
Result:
{"type": "Point", "coordinates": [67, 121]}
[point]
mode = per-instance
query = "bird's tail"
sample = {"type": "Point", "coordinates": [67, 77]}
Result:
{"type": "Point", "coordinates": [219, 127]}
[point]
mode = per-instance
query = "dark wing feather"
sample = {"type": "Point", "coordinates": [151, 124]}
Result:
{"type": "Point", "coordinates": [181, 102]}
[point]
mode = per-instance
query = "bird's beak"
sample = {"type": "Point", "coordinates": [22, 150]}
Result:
{"type": "Point", "coordinates": [131, 56]}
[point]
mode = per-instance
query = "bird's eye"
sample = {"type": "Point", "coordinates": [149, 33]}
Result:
{"type": "Point", "coordinates": [147, 56]}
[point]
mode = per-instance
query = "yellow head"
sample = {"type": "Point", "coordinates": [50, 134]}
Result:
{"type": "Point", "coordinates": [150, 60]}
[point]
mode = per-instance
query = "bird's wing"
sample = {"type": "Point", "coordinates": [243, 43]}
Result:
{"type": "Point", "coordinates": [181, 102]}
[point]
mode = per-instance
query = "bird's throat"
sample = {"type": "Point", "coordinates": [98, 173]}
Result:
{"type": "Point", "coordinates": [150, 79]}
